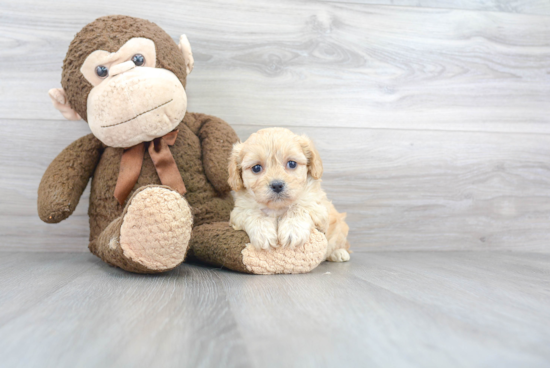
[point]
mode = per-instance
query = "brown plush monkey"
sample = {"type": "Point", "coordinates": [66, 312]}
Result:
{"type": "Point", "coordinates": [159, 174]}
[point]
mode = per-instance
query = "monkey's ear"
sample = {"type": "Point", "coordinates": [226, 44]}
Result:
{"type": "Point", "coordinates": [59, 100]}
{"type": "Point", "coordinates": [185, 48]}
{"type": "Point", "coordinates": [235, 171]}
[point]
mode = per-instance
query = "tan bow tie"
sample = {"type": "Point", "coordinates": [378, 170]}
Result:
{"type": "Point", "coordinates": [132, 160]}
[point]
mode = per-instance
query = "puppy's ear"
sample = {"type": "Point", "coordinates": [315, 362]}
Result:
{"type": "Point", "coordinates": [235, 171]}
{"type": "Point", "coordinates": [314, 163]}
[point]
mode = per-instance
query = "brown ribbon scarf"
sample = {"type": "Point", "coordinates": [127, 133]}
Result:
{"type": "Point", "coordinates": [132, 159]}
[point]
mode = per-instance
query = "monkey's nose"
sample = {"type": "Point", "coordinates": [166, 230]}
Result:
{"type": "Point", "coordinates": [277, 186]}
{"type": "Point", "coordinates": [121, 68]}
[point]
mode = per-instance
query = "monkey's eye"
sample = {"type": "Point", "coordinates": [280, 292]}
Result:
{"type": "Point", "coordinates": [256, 169]}
{"type": "Point", "coordinates": [138, 59]}
{"type": "Point", "coordinates": [101, 71]}
{"type": "Point", "coordinates": [291, 164]}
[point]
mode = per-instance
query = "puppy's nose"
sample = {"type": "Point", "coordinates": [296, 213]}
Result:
{"type": "Point", "coordinates": [277, 186]}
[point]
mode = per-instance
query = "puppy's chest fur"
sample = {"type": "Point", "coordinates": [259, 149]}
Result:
{"type": "Point", "coordinates": [275, 213]}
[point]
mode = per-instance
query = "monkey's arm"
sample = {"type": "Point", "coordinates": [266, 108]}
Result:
{"type": "Point", "coordinates": [66, 178]}
{"type": "Point", "coordinates": [217, 139]}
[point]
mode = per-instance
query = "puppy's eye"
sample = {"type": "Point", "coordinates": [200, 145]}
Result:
{"type": "Point", "coordinates": [291, 164]}
{"type": "Point", "coordinates": [256, 169]}
{"type": "Point", "coordinates": [138, 59]}
{"type": "Point", "coordinates": [101, 71]}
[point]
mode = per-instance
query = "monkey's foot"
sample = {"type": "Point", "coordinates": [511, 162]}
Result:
{"type": "Point", "coordinates": [220, 245]}
{"type": "Point", "coordinates": [299, 259]}
{"type": "Point", "coordinates": [151, 236]}
{"type": "Point", "coordinates": [156, 229]}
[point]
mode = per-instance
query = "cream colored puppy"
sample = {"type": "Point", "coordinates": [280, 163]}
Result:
{"type": "Point", "coordinates": [276, 179]}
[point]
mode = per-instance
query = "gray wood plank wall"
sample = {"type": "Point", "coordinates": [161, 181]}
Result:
{"type": "Point", "coordinates": [433, 117]}
{"type": "Point", "coordinates": [538, 7]}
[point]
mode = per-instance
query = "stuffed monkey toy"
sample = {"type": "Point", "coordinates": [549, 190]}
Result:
{"type": "Point", "coordinates": [159, 173]}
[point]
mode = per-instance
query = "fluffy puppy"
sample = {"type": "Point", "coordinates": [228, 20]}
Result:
{"type": "Point", "coordinates": [276, 180]}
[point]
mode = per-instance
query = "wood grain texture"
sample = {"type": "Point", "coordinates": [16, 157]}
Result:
{"type": "Point", "coordinates": [389, 309]}
{"type": "Point", "coordinates": [179, 316]}
{"type": "Point", "coordinates": [407, 189]}
{"type": "Point", "coordinates": [402, 189]}
{"type": "Point", "coordinates": [433, 123]}
{"type": "Point", "coordinates": [311, 63]}
{"type": "Point", "coordinates": [537, 7]}
{"type": "Point", "coordinates": [32, 147]}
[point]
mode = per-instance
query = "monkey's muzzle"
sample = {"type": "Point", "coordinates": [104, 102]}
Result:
{"type": "Point", "coordinates": [136, 106]}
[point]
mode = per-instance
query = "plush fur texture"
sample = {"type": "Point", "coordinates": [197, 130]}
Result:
{"type": "Point", "coordinates": [132, 103]}
{"type": "Point", "coordinates": [156, 228]}
{"type": "Point", "coordinates": [279, 201]}
{"type": "Point", "coordinates": [150, 232]}
{"type": "Point", "coordinates": [66, 178]}
{"type": "Point", "coordinates": [209, 203]}
{"type": "Point", "coordinates": [151, 235]}
{"type": "Point", "coordinates": [234, 251]}
{"type": "Point", "coordinates": [228, 248]}
{"type": "Point", "coordinates": [203, 141]}
{"type": "Point", "coordinates": [109, 34]}
{"type": "Point", "coordinates": [144, 234]}
{"type": "Point", "coordinates": [300, 259]}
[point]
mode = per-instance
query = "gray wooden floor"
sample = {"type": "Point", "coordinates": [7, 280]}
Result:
{"type": "Point", "coordinates": [383, 309]}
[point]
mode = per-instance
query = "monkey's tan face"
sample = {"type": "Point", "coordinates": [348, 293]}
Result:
{"type": "Point", "coordinates": [132, 101]}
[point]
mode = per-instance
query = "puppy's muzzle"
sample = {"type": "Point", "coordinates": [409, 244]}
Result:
{"type": "Point", "coordinates": [277, 186]}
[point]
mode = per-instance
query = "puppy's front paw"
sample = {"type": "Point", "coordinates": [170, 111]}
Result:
{"type": "Point", "coordinates": [293, 233]}
{"type": "Point", "coordinates": [264, 238]}
{"type": "Point", "coordinates": [339, 255]}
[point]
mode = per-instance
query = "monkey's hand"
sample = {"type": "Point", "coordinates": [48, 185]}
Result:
{"type": "Point", "coordinates": [66, 178]}
{"type": "Point", "coordinates": [217, 139]}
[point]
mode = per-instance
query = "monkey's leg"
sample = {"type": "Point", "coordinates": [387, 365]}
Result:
{"type": "Point", "coordinates": [218, 244]}
{"type": "Point", "coordinates": [151, 235]}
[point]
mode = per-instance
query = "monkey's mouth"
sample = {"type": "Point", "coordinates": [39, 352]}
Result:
{"type": "Point", "coordinates": [138, 115]}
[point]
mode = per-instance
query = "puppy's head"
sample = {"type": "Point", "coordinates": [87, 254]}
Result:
{"type": "Point", "coordinates": [273, 165]}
